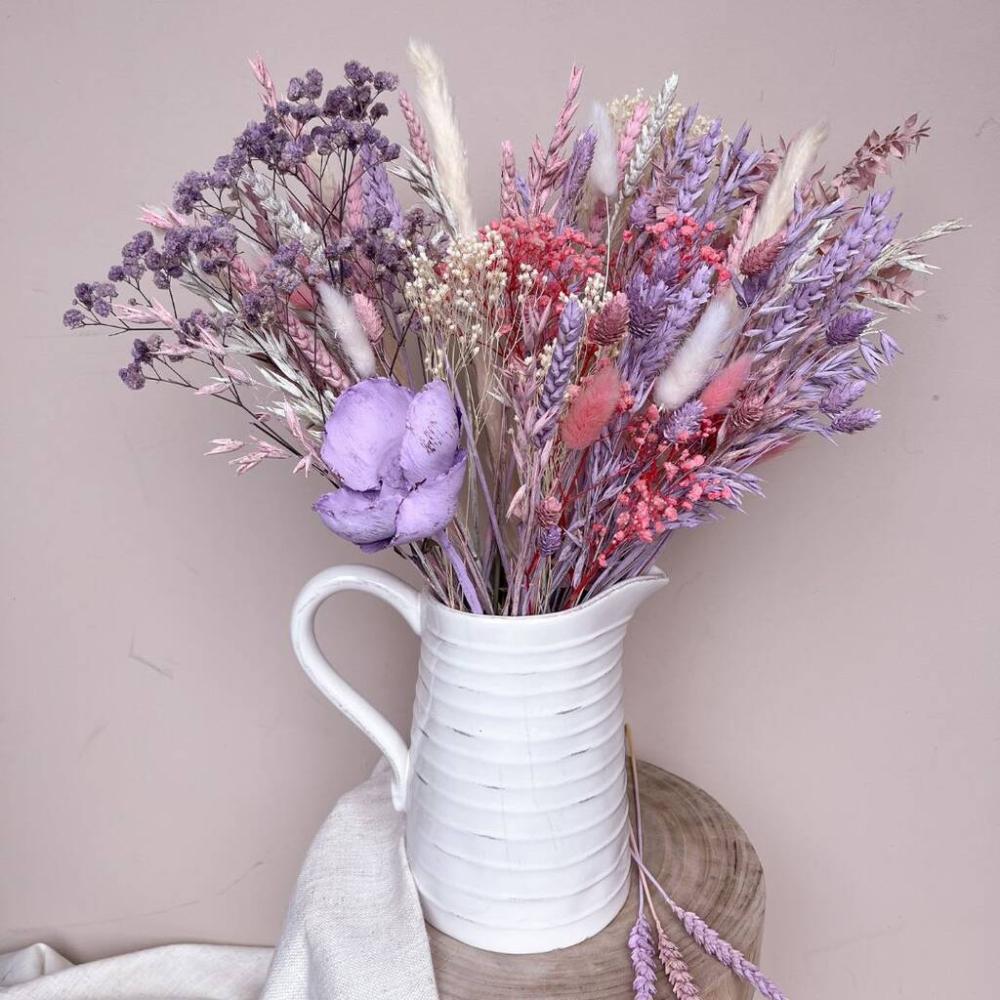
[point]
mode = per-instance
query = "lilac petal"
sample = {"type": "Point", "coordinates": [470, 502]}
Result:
{"type": "Point", "coordinates": [363, 518]}
{"type": "Point", "coordinates": [428, 508]}
{"type": "Point", "coordinates": [364, 432]}
{"type": "Point", "coordinates": [431, 435]}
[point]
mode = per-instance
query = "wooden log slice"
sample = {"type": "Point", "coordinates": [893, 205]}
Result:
{"type": "Point", "coordinates": [703, 859]}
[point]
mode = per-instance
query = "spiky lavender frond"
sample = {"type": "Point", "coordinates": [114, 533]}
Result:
{"type": "Point", "coordinates": [847, 326]}
{"type": "Point", "coordinates": [699, 160]}
{"type": "Point", "coordinates": [816, 291]}
{"type": "Point", "coordinates": [680, 317]}
{"type": "Point", "coordinates": [647, 304]}
{"type": "Point", "coordinates": [842, 395]}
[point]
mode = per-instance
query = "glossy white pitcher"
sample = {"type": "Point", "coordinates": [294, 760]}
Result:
{"type": "Point", "coordinates": [514, 783]}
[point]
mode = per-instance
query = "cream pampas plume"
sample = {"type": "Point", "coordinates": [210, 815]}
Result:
{"type": "Point", "coordinates": [450, 159]}
{"type": "Point", "coordinates": [604, 166]}
{"type": "Point", "coordinates": [344, 323]}
{"type": "Point", "coordinates": [691, 365]}
{"type": "Point", "coordinates": [794, 169]}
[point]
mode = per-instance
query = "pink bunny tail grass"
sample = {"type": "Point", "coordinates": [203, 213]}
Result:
{"type": "Point", "coordinates": [415, 126]}
{"type": "Point", "coordinates": [592, 409]}
{"type": "Point", "coordinates": [719, 394]}
{"type": "Point", "coordinates": [676, 970]}
{"type": "Point", "coordinates": [630, 136]}
{"type": "Point", "coordinates": [508, 179]}
{"type": "Point", "coordinates": [369, 317]}
{"type": "Point", "coordinates": [643, 955]}
{"type": "Point", "coordinates": [267, 89]}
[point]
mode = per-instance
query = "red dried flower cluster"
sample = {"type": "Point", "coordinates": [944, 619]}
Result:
{"type": "Point", "coordinates": [563, 258]}
{"type": "Point", "coordinates": [694, 241]}
{"type": "Point", "coordinates": [667, 487]}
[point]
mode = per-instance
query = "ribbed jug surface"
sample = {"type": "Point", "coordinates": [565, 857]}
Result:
{"type": "Point", "coordinates": [517, 811]}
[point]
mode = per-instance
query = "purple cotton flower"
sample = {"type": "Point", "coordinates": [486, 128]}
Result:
{"type": "Point", "coordinates": [855, 420]}
{"type": "Point", "coordinates": [397, 455]}
{"type": "Point", "coordinates": [74, 319]}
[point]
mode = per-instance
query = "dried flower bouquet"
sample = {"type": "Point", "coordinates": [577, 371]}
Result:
{"type": "Point", "coordinates": [526, 409]}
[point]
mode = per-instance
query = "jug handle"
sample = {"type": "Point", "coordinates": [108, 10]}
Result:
{"type": "Point", "coordinates": [365, 716]}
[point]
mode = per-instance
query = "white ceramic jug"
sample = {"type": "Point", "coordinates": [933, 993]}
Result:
{"type": "Point", "coordinates": [514, 782]}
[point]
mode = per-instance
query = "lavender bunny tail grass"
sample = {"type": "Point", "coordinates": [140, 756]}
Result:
{"type": "Point", "coordinates": [677, 972]}
{"type": "Point", "coordinates": [643, 954]}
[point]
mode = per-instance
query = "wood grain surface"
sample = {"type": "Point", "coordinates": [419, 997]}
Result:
{"type": "Point", "coordinates": [703, 859]}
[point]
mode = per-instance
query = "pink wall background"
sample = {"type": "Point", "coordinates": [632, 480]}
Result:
{"type": "Point", "coordinates": [826, 667]}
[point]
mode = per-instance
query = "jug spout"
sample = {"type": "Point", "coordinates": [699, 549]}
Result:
{"type": "Point", "coordinates": [625, 597]}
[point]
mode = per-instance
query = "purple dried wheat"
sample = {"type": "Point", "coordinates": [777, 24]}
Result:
{"type": "Point", "coordinates": [643, 954]}
{"type": "Point", "coordinates": [571, 324]}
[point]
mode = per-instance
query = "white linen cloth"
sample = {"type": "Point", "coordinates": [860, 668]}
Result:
{"type": "Point", "coordinates": [354, 931]}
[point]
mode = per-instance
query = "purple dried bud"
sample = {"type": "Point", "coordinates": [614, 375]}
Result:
{"type": "Point", "coordinates": [761, 258]}
{"type": "Point", "coordinates": [313, 83]}
{"type": "Point", "coordinates": [132, 375]}
{"type": "Point", "coordinates": [549, 540]}
{"type": "Point", "coordinates": [848, 326]}
{"type": "Point", "coordinates": [855, 420]}
{"type": "Point", "coordinates": [610, 324]}
{"type": "Point", "coordinates": [841, 396]}
{"type": "Point", "coordinates": [140, 351]}
{"type": "Point", "coordinates": [549, 511]}
{"type": "Point", "coordinates": [74, 319]}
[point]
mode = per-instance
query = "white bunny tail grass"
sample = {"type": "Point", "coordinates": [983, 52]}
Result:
{"type": "Point", "coordinates": [346, 327]}
{"type": "Point", "coordinates": [699, 354]}
{"type": "Point", "coordinates": [780, 195]}
{"type": "Point", "coordinates": [604, 166]}
{"type": "Point", "coordinates": [450, 158]}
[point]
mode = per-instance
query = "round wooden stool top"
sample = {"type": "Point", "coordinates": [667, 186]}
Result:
{"type": "Point", "coordinates": [702, 858]}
